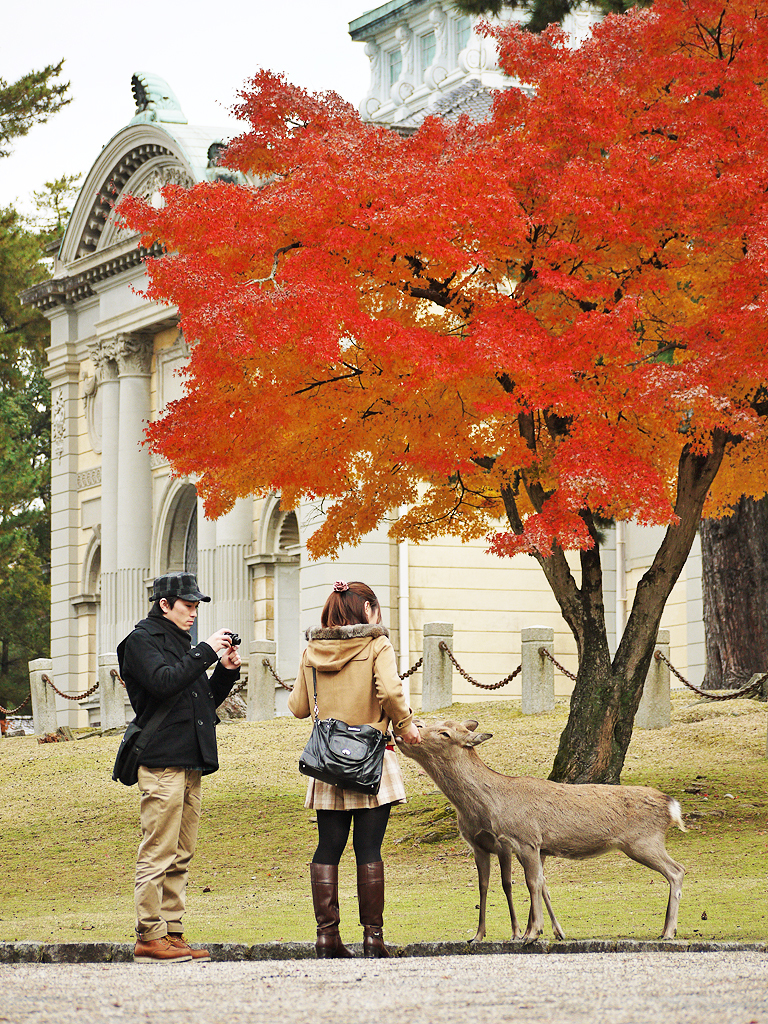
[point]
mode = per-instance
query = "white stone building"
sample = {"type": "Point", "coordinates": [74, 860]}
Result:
{"type": "Point", "coordinates": [119, 516]}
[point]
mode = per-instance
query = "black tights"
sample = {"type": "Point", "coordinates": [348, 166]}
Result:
{"type": "Point", "coordinates": [367, 837]}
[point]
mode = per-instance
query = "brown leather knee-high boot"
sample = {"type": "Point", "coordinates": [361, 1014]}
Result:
{"type": "Point", "coordinates": [370, 894]}
{"type": "Point", "coordinates": [325, 899]}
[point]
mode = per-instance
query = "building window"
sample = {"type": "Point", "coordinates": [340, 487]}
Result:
{"type": "Point", "coordinates": [427, 50]}
{"type": "Point", "coordinates": [463, 32]}
{"type": "Point", "coordinates": [395, 59]}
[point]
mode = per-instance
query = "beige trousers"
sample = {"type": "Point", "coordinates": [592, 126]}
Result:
{"type": "Point", "coordinates": [170, 815]}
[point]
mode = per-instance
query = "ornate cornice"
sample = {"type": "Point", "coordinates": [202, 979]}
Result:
{"type": "Point", "coordinates": [70, 288]}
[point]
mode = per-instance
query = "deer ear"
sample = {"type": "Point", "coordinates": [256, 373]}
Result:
{"type": "Point", "coordinates": [470, 724]}
{"type": "Point", "coordinates": [477, 738]}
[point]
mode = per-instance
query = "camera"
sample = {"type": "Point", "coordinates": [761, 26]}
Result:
{"type": "Point", "coordinates": [234, 638]}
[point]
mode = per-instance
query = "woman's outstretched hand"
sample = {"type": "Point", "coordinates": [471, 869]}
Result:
{"type": "Point", "coordinates": [411, 735]}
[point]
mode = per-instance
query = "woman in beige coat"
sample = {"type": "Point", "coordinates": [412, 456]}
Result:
{"type": "Point", "coordinates": [358, 683]}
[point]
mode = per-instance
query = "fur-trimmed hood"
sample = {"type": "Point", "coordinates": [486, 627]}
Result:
{"type": "Point", "coordinates": [345, 632]}
{"type": "Point", "coordinates": [333, 647]}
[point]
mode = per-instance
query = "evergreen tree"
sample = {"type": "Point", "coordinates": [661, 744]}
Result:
{"type": "Point", "coordinates": [25, 414]}
{"type": "Point", "coordinates": [32, 99]}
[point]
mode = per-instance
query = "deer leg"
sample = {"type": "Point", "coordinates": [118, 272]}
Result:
{"type": "Point", "coordinates": [559, 933]}
{"type": "Point", "coordinates": [505, 864]}
{"type": "Point", "coordinates": [651, 853]}
{"type": "Point", "coordinates": [534, 878]}
{"type": "Point", "coordinates": [483, 863]}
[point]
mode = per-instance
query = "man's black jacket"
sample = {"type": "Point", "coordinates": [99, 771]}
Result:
{"type": "Point", "coordinates": [157, 662]}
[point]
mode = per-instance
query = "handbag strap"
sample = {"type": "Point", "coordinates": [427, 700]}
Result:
{"type": "Point", "coordinates": [314, 684]}
{"type": "Point", "coordinates": [149, 730]}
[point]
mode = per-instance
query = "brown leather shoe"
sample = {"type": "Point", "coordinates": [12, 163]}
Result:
{"type": "Point", "coordinates": [160, 951]}
{"type": "Point", "coordinates": [181, 943]}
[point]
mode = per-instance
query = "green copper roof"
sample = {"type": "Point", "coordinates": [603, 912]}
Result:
{"type": "Point", "coordinates": [361, 27]}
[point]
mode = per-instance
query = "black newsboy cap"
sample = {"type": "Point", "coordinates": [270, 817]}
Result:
{"type": "Point", "coordinates": [177, 584]}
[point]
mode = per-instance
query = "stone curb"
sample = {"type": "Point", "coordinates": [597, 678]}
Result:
{"type": "Point", "coordinates": [122, 952]}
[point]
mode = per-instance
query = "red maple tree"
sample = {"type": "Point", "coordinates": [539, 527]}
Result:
{"type": "Point", "coordinates": [545, 320]}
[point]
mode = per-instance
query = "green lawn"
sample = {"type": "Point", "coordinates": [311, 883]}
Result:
{"type": "Point", "coordinates": [68, 838]}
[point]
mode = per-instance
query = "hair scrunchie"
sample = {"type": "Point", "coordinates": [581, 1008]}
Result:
{"type": "Point", "coordinates": [340, 586]}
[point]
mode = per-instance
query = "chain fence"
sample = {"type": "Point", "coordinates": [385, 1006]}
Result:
{"type": "Point", "coordinates": [12, 711]}
{"type": "Point", "coordinates": [412, 669]}
{"type": "Point", "coordinates": [482, 686]}
{"type": "Point", "coordinates": [544, 653]}
{"type": "Point", "coordinates": [745, 691]}
{"type": "Point", "coordinates": [69, 696]}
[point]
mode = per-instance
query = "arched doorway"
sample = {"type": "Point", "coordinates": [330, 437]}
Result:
{"type": "Point", "coordinates": [177, 531]}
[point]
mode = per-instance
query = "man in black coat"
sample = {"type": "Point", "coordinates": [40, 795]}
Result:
{"type": "Point", "coordinates": [161, 669]}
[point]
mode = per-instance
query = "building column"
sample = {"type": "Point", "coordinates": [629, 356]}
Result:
{"type": "Point", "coordinates": [134, 482]}
{"type": "Point", "coordinates": [63, 375]}
{"type": "Point", "coordinates": [232, 596]}
{"type": "Point", "coordinates": [104, 358]}
{"type": "Point", "coordinates": [207, 614]}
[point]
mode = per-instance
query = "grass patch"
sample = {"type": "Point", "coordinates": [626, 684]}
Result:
{"type": "Point", "coordinates": [68, 838]}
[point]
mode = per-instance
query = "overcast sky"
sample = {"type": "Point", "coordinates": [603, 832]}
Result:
{"type": "Point", "coordinates": [205, 51]}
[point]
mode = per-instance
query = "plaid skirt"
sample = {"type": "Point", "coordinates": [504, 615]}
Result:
{"type": "Point", "coordinates": [323, 797]}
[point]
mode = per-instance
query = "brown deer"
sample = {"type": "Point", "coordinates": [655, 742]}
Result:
{"type": "Point", "coordinates": [533, 819]}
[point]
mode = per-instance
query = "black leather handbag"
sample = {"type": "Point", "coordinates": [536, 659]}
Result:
{"type": "Point", "coordinates": [135, 739]}
{"type": "Point", "coordinates": [348, 756]}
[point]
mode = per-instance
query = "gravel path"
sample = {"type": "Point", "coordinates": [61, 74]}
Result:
{"type": "Point", "coordinates": [596, 988]}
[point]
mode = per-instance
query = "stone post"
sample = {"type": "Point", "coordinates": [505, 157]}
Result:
{"type": "Point", "coordinates": [111, 694]}
{"type": "Point", "coordinates": [538, 672]}
{"type": "Point", "coordinates": [261, 682]}
{"type": "Point", "coordinates": [655, 710]}
{"type": "Point", "coordinates": [437, 671]}
{"type": "Point", "coordinates": [43, 698]}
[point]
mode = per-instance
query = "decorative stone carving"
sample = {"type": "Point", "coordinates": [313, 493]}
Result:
{"type": "Point", "coordinates": [438, 70]}
{"type": "Point", "coordinates": [134, 354]}
{"type": "Point", "coordinates": [473, 57]}
{"type": "Point", "coordinates": [166, 176]}
{"type": "Point", "coordinates": [403, 87]}
{"type": "Point", "coordinates": [155, 100]}
{"type": "Point", "coordinates": [92, 406]}
{"type": "Point", "coordinates": [372, 100]}
{"type": "Point", "coordinates": [89, 478]}
{"type": "Point", "coordinates": [103, 355]}
{"type": "Point", "coordinates": [58, 424]}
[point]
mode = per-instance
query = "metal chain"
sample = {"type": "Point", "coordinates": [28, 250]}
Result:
{"type": "Point", "coordinates": [412, 669]}
{"type": "Point", "coordinates": [70, 696]}
{"type": "Point", "coordinates": [546, 654]}
{"type": "Point", "coordinates": [12, 711]}
{"type": "Point", "coordinates": [752, 688]}
{"type": "Point", "coordinates": [482, 686]}
{"type": "Point", "coordinates": [268, 664]}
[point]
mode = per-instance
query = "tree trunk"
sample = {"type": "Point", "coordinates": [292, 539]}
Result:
{"type": "Point", "coordinates": [607, 693]}
{"type": "Point", "coordinates": [734, 558]}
